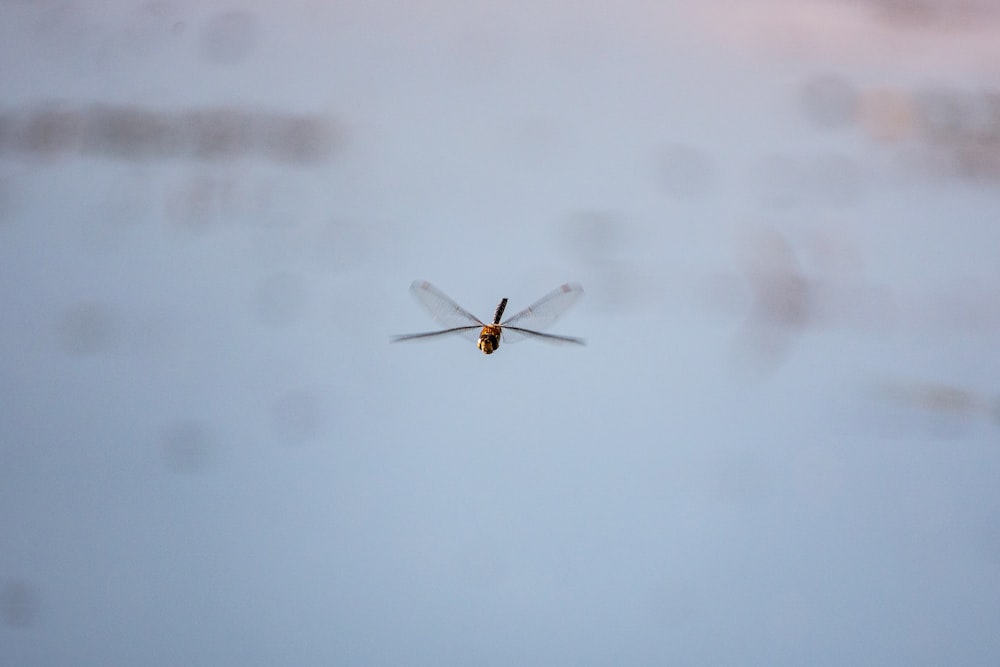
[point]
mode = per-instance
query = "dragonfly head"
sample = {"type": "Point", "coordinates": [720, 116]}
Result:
{"type": "Point", "coordinates": [489, 339]}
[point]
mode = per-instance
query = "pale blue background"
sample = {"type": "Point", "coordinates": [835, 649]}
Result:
{"type": "Point", "coordinates": [781, 445]}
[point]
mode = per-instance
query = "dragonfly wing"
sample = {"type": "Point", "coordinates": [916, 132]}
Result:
{"type": "Point", "coordinates": [474, 329]}
{"type": "Point", "coordinates": [544, 312]}
{"type": "Point", "coordinates": [514, 334]}
{"type": "Point", "coordinates": [447, 313]}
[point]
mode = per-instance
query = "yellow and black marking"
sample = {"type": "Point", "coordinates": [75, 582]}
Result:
{"type": "Point", "coordinates": [489, 337]}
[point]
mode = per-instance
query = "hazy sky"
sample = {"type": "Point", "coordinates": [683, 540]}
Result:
{"type": "Point", "coordinates": [779, 446]}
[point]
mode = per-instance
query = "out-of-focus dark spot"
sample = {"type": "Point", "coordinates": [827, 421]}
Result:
{"type": "Point", "coordinates": [933, 13]}
{"type": "Point", "coordinates": [592, 235]}
{"type": "Point", "coordinates": [934, 398]}
{"type": "Point", "coordinates": [943, 117]}
{"type": "Point", "coordinates": [296, 139]}
{"type": "Point", "coordinates": [18, 604]}
{"type": "Point", "coordinates": [829, 101]}
{"type": "Point", "coordinates": [86, 329]}
{"type": "Point", "coordinates": [782, 302]}
{"type": "Point", "coordinates": [978, 163]}
{"type": "Point", "coordinates": [904, 13]}
{"type": "Point", "coordinates": [962, 131]}
{"type": "Point", "coordinates": [989, 115]}
{"type": "Point", "coordinates": [130, 133]}
{"type": "Point", "coordinates": [230, 37]}
{"type": "Point", "coordinates": [782, 298]}
{"type": "Point", "coordinates": [297, 417]}
{"type": "Point", "coordinates": [217, 134]}
{"type": "Point", "coordinates": [7, 133]}
{"type": "Point", "coordinates": [952, 133]}
{"type": "Point", "coordinates": [6, 199]}
{"type": "Point", "coordinates": [887, 115]}
{"type": "Point", "coordinates": [948, 399]}
{"type": "Point", "coordinates": [685, 172]}
{"type": "Point", "coordinates": [280, 299]}
{"type": "Point", "coordinates": [136, 133]}
{"type": "Point", "coordinates": [50, 132]}
{"type": "Point", "coordinates": [186, 447]}
{"type": "Point", "coordinates": [781, 293]}
{"type": "Point", "coordinates": [938, 410]}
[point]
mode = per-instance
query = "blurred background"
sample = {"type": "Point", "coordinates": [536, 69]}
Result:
{"type": "Point", "coordinates": [780, 446]}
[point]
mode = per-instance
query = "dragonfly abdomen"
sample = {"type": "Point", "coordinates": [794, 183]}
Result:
{"type": "Point", "coordinates": [499, 313]}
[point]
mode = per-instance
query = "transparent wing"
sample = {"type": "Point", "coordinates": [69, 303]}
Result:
{"type": "Point", "coordinates": [445, 311]}
{"type": "Point", "coordinates": [542, 314]}
{"type": "Point", "coordinates": [514, 334]}
{"type": "Point", "coordinates": [474, 329]}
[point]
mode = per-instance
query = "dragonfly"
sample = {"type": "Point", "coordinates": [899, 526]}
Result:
{"type": "Point", "coordinates": [458, 320]}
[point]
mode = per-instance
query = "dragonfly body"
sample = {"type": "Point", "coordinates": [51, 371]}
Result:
{"type": "Point", "coordinates": [539, 315]}
{"type": "Point", "coordinates": [489, 338]}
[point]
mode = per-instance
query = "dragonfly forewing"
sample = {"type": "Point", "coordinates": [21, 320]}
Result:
{"type": "Point", "coordinates": [542, 314]}
{"type": "Point", "coordinates": [445, 311]}
{"type": "Point", "coordinates": [433, 334]}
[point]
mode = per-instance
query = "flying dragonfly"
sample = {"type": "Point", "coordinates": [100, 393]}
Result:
{"type": "Point", "coordinates": [458, 320]}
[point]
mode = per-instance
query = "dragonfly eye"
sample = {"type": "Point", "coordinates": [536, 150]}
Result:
{"type": "Point", "coordinates": [488, 343]}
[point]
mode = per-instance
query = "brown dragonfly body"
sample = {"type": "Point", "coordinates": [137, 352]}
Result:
{"type": "Point", "coordinates": [539, 315]}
